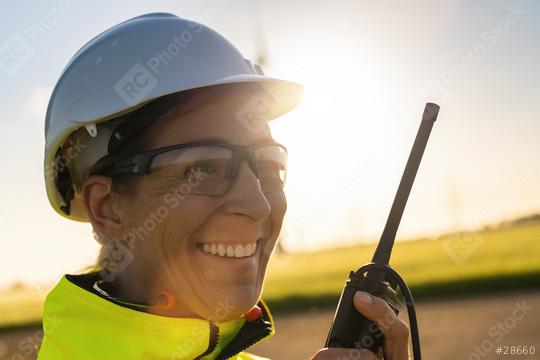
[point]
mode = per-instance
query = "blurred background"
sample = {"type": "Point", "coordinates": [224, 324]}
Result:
{"type": "Point", "coordinates": [468, 244]}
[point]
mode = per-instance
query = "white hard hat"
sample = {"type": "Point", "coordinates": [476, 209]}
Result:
{"type": "Point", "coordinates": [126, 67]}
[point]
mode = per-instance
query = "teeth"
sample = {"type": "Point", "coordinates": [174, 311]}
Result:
{"type": "Point", "coordinates": [237, 250]}
{"type": "Point", "coordinates": [221, 250]}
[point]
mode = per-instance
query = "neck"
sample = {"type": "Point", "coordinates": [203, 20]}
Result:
{"type": "Point", "coordinates": [139, 289]}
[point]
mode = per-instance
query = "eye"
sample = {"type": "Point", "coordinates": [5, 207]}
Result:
{"type": "Point", "coordinates": [206, 167]}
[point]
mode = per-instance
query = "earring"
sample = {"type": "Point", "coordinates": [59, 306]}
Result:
{"type": "Point", "coordinates": [165, 300]}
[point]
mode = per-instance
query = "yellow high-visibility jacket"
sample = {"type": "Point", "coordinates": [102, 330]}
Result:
{"type": "Point", "coordinates": [79, 324]}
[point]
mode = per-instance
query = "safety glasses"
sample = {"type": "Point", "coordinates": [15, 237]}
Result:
{"type": "Point", "coordinates": [209, 168]}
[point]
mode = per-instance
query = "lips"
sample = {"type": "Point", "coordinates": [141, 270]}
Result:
{"type": "Point", "coordinates": [230, 250]}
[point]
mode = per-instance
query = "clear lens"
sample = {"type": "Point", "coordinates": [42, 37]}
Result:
{"type": "Point", "coordinates": [272, 167]}
{"type": "Point", "coordinates": [207, 169]}
{"type": "Point", "coordinates": [202, 168]}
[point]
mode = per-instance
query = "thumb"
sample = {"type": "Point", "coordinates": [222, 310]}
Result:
{"type": "Point", "coordinates": [377, 310]}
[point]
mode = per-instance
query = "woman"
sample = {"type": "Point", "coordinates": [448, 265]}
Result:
{"type": "Point", "coordinates": [147, 131]}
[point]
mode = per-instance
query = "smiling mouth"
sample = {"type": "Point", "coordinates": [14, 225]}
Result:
{"type": "Point", "coordinates": [229, 250]}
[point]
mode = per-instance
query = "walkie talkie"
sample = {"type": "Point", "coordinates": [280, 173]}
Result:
{"type": "Point", "coordinates": [350, 329]}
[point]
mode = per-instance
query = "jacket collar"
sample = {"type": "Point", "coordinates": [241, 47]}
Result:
{"type": "Point", "coordinates": [112, 331]}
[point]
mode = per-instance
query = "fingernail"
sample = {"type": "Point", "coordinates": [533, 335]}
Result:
{"type": "Point", "coordinates": [364, 297]}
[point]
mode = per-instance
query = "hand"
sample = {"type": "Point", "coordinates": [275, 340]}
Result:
{"type": "Point", "coordinates": [396, 332]}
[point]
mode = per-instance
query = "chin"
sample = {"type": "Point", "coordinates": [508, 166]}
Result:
{"type": "Point", "coordinates": [233, 304]}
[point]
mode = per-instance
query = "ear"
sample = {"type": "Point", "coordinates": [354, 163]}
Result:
{"type": "Point", "coordinates": [100, 206]}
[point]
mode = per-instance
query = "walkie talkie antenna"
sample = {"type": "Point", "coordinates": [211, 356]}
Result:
{"type": "Point", "coordinates": [386, 243]}
{"type": "Point", "coordinates": [350, 328]}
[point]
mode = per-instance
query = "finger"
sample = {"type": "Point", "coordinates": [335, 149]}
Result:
{"type": "Point", "coordinates": [377, 310]}
{"type": "Point", "coordinates": [343, 354]}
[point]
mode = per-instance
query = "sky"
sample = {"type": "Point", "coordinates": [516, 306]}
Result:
{"type": "Point", "coordinates": [368, 68]}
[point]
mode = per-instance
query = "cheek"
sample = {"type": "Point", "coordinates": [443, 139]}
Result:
{"type": "Point", "coordinates": [278, 204]}
{"type": "Point", "coordinates": [181, 221]}
{"type": "Point", "coordinates": [163, 224]}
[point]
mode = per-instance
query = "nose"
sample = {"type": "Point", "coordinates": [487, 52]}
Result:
{"type": "Point", "coordinates": [245, 196]}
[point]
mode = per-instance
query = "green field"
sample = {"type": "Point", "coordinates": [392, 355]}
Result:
{"type": "Point", "coordinates": [21, 307]}
{"type": "Point", "coordinates": [454, 265]}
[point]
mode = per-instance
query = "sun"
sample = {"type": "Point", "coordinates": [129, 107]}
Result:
{"type": "Point", "coordinates": [333, 139]}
